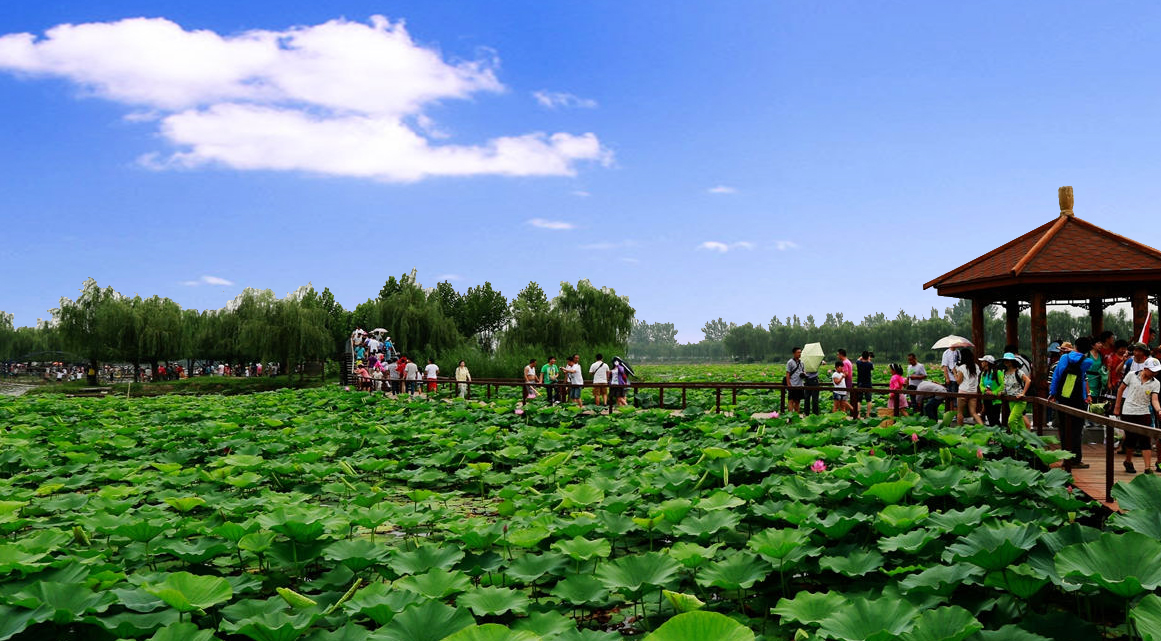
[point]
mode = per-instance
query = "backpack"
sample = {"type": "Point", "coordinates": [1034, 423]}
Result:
{"type": "Point", "coordinates": [1072, 387]}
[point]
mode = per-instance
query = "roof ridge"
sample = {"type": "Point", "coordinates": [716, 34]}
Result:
{"type": "Point", "coordinates": [1040, 244]}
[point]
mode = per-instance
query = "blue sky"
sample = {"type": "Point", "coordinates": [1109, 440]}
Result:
{"type": "Point", "coordinates": [741, 160]}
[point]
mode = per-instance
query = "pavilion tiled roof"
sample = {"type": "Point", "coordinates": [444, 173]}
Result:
{"type": "Point", "coordinates": [1058, 250]}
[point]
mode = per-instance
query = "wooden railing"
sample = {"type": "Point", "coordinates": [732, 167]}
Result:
{"type": "Point", "coordinates": [494, 385]}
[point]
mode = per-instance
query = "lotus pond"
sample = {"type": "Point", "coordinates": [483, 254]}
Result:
{"type": "Point", "coordinates": [332, 516]}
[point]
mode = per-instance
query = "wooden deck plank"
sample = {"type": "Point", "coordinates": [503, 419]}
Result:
{"type": "Point", "coordinates": [1091, 481]}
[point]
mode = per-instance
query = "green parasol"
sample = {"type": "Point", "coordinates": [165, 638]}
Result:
{"type": "Point", "coordinates": [812, 356]}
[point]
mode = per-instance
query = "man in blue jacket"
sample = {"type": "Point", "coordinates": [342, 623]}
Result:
{"type": "Point", "coordinates": [1070, 387]}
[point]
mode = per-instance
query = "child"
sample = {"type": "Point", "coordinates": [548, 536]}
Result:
{"type": "Point", "coordinates": [898, 382]}
{"type": "Point", "coordinates": [839, 378]}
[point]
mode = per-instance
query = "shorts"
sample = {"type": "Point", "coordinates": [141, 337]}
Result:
{"type": "Point", "coordinates": [617, 391]}
{"type": "Point", "coordinates": [839, 396]}
{"type": "Point", "coordinates": [600, 388]}
{"type": "Point", "coordinates": [863, 396]}
{"type": "Point", "coordinates": [574, 392]}
{"type": "Point", "coordinates": [797, 393]}
{"type": "Point", "coordinates": [1138, 442]}
{"type": "Point", "coordinates": [952, 387]}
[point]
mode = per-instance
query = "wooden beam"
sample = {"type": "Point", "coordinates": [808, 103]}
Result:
{"type": "Point", "coordinates": [1012, 322]}
{"type": "Point", "coordinates": [979, 332]}
{"type": "Point", "coordinates": [1039, 355]}
{"type": "Point", "coordinates": [1140, 303]}
{"type": "Point", "coordinates": [1096, 315]}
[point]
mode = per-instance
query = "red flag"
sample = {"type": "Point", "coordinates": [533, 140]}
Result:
{"type": "Point", "coordinates": [1146, 334]}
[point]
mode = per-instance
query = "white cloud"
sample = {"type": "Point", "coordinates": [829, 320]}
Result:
{"type": "Point", "coordinates": [604, 245]}
{"type": "Point", "coordinates": [721, 248]}
{"type": "Point", "coordinates": [208, 280]}
{"type": "Point", "coordinates": [783, 245]}
{"type": "Point", "coordinates": [562, 100]}
{"type": "Point", "coordinates": [340, 98]}
{"type": "Point", "coordinates": [448, 277]}
{"type": "Point", "coordinates": [555, 225]}
{"type": "Point", "coordinates": [721, 189]}
{"type": "Point", "coordinates": [580, 193]}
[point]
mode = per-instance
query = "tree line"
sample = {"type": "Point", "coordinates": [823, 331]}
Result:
{"type": "Point", "coordinates": [889, 338]}
{"type": "Point", "coordinates": [479, 325]}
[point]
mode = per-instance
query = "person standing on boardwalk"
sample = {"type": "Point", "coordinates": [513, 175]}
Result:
{"type": "Point", "coordinates": [916, 372]}
{"type": "Point", "coordinates": [848, 375]}
{"type": "Point", "coordinates": [548, 375]}
{"type": "Point", "coordinates": [431, 373]}
{"type": "Point", "coordinates": [600, 371]}
{"type": "Point", "coordinates": [463, 377]}
{"type": "Point", "coordinates": [841, 390]}
{"type": "Point", "coordinates": [530, 379]}
{"type": "Point", "coordinates": [575, 379]}
{"type": "Point", "coordinates": [1017, 380]}
{"type": "Point", "coordinates": [1070, 387]}
{"type": "Point", "coordinates": [1136, 397]}
{"type": "Point", "coordinates": [795, 379]}
{"type": "Point", "coordinates": [948, 364]}
{"type": "Point", "coordinates": [967, 378]}
{"type": "Point", "coordinates": [865, 371]}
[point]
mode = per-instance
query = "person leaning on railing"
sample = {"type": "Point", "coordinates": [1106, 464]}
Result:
{"type": "Point", "coordinates": [1136, 396]}
{"type": "Point", "coordinates": [1016, 384]}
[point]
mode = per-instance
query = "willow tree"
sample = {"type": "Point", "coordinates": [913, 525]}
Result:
{"type": "Point", "coordinates": [605, 318]}
{"type": "Point", "coordinates": [86, 326]}
{"type": "Point", "coordinates": [536, 323]}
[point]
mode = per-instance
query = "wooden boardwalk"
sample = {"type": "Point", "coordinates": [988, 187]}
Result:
{"type": "Point", "coordinates": [1091, 481]}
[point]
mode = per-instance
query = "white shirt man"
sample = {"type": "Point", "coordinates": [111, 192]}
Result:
{"type": "Point", "coordinates": [600, 372]}
{"type": "Point", "coordinates": [575, 377]}
{"type": "Point", "coordinates": [411, 371]}
{"type": "Point", "coordinates": [948, 364]}
{"type": "Point", "coordinates": [431, 371]}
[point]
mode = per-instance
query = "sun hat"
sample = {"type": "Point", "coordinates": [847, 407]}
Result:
{"type": "Point", "coordinates": [1008, 356]}
{"type": "Point", "coordinates": [1066, 345]}
{"type": "Point", "coordinates": [1152, 364]}
{"type": "Point", "coordinates": [988, 358]}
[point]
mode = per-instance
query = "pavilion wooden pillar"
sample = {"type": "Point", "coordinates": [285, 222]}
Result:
{"type": "Point", "coordinates": [1096, 316]}
{"type": "Point", "coordinates": [1140, 302]}
{"type": "Point", "coordinates": [1012, 323]}
{"type": "Point", "coordinates": [979, 329]}
{"type": "Point", "coordinates": [1039, 355]}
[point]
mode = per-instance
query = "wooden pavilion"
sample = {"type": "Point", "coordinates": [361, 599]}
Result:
{"type": "Point", "coordinates": [1067, 261]}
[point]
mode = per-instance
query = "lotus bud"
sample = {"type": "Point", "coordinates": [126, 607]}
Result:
{"type": "Point", "coordinates": [1069, 488]}
{"type": "Point", "coordinates": [872, 451]}
{"type": "Point", "coordinates": [979, 454]}
{"type": "Point", "coordinates": [914, 437]}
{"type": "Point", "coordinates": [346, 388]}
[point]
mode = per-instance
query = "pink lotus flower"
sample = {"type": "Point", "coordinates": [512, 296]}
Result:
{"type": "Point", "coordinates": [914, 437]}
{"type": "Point", "coordinates": [818, 466]}
{"type": "Point", "coordinates": [531, 396]}
{"type": "Point", "coordinates": [346, 388]}
{"type": "Point", "coordinates": [773, 414]}
{"type": "Point", "coordinates": [979, 454]}
{"type": "Point", "coordinates": [1069, 489]}
{"type": "Point", "coordinates": [519, 411]}
{"type": "Point", "coordinates": [872, 451]}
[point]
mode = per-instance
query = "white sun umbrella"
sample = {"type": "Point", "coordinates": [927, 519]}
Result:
{"type": "Point", "coordinates": [812, 356]}
{"type": "Point", "coordinates": [378, 330]}
{"type": "Point", "coordinates": [951, 341]}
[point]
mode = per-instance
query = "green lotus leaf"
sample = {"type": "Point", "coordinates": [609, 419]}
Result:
{"type": "Point", "coordinates": [1010, 476]}
{"type": "Point", "coordinates": [357, 554]}
{"type": "Point", "coordinates": [940, 482]}
{"type": "Point", "coordinates": [233, 532]}
{"type": "Point", "coordinates": [719, 501]}
{"type": "Point", "coordinates": [266, 623]}
{"type": "Point", "coordinates": [528, 537]}
{"type": "Point", "coordinates": [1124, 564]}
{"type": "Point", "coordinates": [427, 621]}
{"type": "Point", "coordinates": [67, 602]}
{"type": "Point", "coordinates": [1141, 503]}
{"type": "Point", "coordinates": [301, 525]}
{"type": "Point", "coordinates": [187, 592]}
{"type": "Point", "coordinates": [186, 503]}
{"type": "Point", "coordinates": [801, 458]}
{"type": "Point", "coordinates": [581, 589]}
{"type": "Point", "coordinates": [775, 544]}
{"type": "Point", "coordinates": [380, 602]}
{"type": "Point", "coordinates": [738, 570]}
{"type": "Point", "coordinates": [1022, 580]}
{"type": "Point", "coordinates": [951, 623]}
{"type": "Point", "coordinates": [941, 580]}
{"type": "Point", "coordinates": [631, 574]}
{"type": "Point", "coordinates": [14, 558]}
{"type": "Point", "coordinates": [530, 567]}
{"type": "Point", "coordinates": [424, 558]}
{"type": "Point", "coordinates": [701, 626]}
{"type": "Point", "coordinates": [870, 470]}
{"type": "Point", "coordinates": [856, 563]}
{"type": "Point", "coordinates": [891, 492]}
{"type": "Point", "coordinates": [709, 524]}
{"type": "Point", "coordinates": [141, 531]}
{"type": "Point", "coordinates": [994, 546]}
{"type": "Point", "coordinates": [809, 607]}
{"type": "Point", "coordinates": [582, 549]}
{"type": "Point", "coordinates": [491, 600]}
{"type": "Point", "coordinates": [1010, 632]}
{"type": "Point", "coordinates": [257, 542]}
{"type": "Point", "coordinates": [581, 495]}
{"type": "Point", "coordinates": [837, 524]}
{"type": "Point", "coordinates": [13, 621]}
{"type": "Point", "coordinates": [683, 602]}
{"type": "Point", "coordinates": [492, 632]}
{"type": "Point", "coordinates": [549, 625]}
{"type": "Point", "coordinates": [877, 620]}
{"type": "Point", "coordinates": [674, 510]}
{"type": "Point", "coordinates": [798, 513]}
{"type": "Point", "coordinates": [958, 522]}
{"type": "Point", "coordinates": [182, 632]}
{"type": "Point", "coordinates": [1146, 616]}
{"type": "Point", "coordinates": [195, 551]}
{"type": "Point", "coordinates": [896, 519]}
{"type": "Point", "coordinates": [435, 584]}
{"type": "Point", "coordinates": [692, 555]}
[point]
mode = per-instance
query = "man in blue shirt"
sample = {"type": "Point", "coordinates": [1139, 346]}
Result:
{"type": "Point", "coordinates": [1070, 387]}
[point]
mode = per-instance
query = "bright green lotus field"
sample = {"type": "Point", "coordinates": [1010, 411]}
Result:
{"type": "Point", "coordinates": [339, 516]}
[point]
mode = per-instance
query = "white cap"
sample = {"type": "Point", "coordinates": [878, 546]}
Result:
{"type": "Point", "coordinates": [1152, 364]}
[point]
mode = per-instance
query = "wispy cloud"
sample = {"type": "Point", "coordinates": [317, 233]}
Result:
{"type": "Point", "coordinates": [722, 189]}
{"type": "Point", "coordinates": [562, 100]}
{"type": "Point", "coordinates": [341, 98]}
{"type": "Point", "coordinates": [631, 261]}
{"type": "Point", "coordinates": [580, 193]}
{"type": "Point", "coordinates": [208, 280]}
{"type": "Point", "coordinates": [555, 225]}
{"type": "Point", "coordinates": [448, 277]}
{"type": "Point", "coordinates": [721, 248]}
{"type": "Point", "coordinates": [783, 245]}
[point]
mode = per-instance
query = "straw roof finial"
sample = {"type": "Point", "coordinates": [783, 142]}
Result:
{"type": "Point", "coordinates": [1065, 195]}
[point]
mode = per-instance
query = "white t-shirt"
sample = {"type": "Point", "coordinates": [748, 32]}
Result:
{"type": "Point", "coordinates": [372, 345]}
{"type": "Point", "coordinates": [950, 361]}
{"type": "Point", "coordinates": [1136, 400]}
{"type": "Point", "coordinates": [431, 370]}
{"type": "Point", "coordinates": [411, 371]}
{"type": "Point", "coordinates": [529, 373]}
{"type": "Point", "coordinates": [600, 372]}
{"type": "Point", "coordinates": [837, 378]}
{"type": "Point", "coordinates": [916, 370]}
{"type": "Point", "coordinates": [574, 374]}
{"type": "Point", "coordinates": [971, 383]}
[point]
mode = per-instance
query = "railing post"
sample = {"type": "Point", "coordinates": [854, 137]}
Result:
{"type": "Point", "coordinates": [735, 396]}
{"type": "Point", "coordinates": [661, 397]}
{"type": "Point", "coordinates": [683, 398]}
{"type": "Point", "coordinates": [718, 403]}
{"type": "Point", "coordinates": [1108, 462]}
{"type": "Point", "coordinates": [782, 400]}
